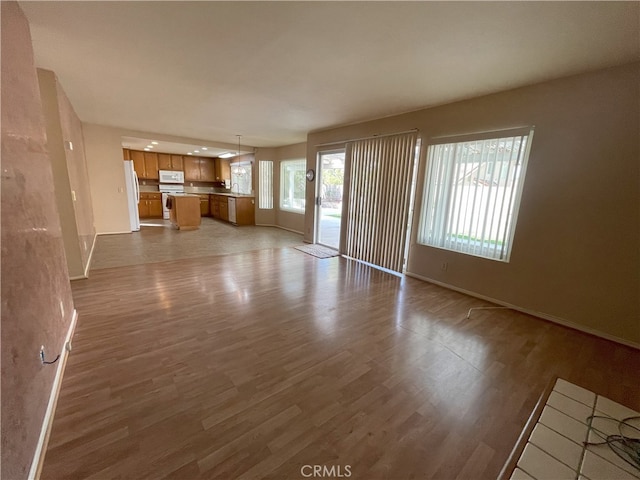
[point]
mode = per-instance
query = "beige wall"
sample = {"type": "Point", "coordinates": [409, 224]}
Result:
{"type": "Point", "coordinates": [575, 256]}
{"type": "Point", "coordinates": [73, 195]}
{"type": "Point", "coordinates": [37, 306]}
{"type": "Point", "coordinates": [287, 220]}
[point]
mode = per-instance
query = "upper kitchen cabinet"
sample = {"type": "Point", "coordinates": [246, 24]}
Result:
{"type": "Point", "coordinates": [177, 163]}
{"type": "Point", "coordinates": [138, 162]}
{"type": "Point", "coordinates": [191, 168]}
{"type": "Point", "coordinates": [167, 161]}
{"type": "Point", "coordinates": [126, 154]}
{"type": "Point", "coordinates": [164, 161]}
{"type": "Point", "coordinates": [151, 165]}
{"type": "Point", "coordinates": [223, 169]}
{"type": "Point", "coordinates": [207, 170]}
{"type": "Point", "coordinates": [145, 164]}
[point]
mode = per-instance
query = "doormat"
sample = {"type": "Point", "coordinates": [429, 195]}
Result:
{"type": "Point", "coordinates": [575, 433]}
{"type": "Point", "coordinates": [318, 251]}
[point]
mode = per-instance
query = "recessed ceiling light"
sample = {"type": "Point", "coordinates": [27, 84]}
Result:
{"type": "Point", "coordinates": [147, 149]}
{"type": "Point", "coordinates": [154, 143]}
{"type": "Point", "coordinates": [149, 146]}
{"type": "Point", "coordinates": [196, 151]}
{"type": "Point", "coordinates": [227, 155]}
{"type": "Point", "coordinates": [204, 148]}
{"type": "Point", "coordinates": [189, 153]}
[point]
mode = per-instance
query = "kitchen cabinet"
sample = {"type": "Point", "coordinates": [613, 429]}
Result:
{"type": "Point", "coordinates": [145, 164]}
{"type": "Point", "coordinates": [151, 165]}
{"type": "Point", "coordinates": [207, 170]}
{"type": "Point", "coordinates": [177, 163]}
{"type": "Point", "coordinates": [126, 154]}
{"type": "Point", "coordinates": [138, 162]}
{"type": "Point", "coordinates": [191, 168]}
{"type": "Point", "coordinates": [167, 161]}
{"type": "Point", "coordinates": [183, 212]}
{"type": "Point", "coordinates": [164, 161]}
{"type": "Point", "coordinates": [223, 169]}
{"type": "Point", "coordinates": [150, 205]}
{"type": "Point", "coordinates": [245, 209]}
{"type": "Point", "coordinates": [205, 210]}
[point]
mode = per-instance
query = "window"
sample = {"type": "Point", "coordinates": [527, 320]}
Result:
{"type": "Point", "coordinates": [265, 184]}
{"type": "Point", "coordinates": [472, 194]}
{"type": "Point", "coordinates": [241, 177]}
{"type": "Point", "coordinates": [292, 185]}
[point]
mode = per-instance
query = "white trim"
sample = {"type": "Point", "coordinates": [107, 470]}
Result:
{"type": "Point", "coordinates": [114, 233]}
{"type": "Point", "coordinates": [544, 316]}
{"type": "Point", "coordinates": [281, 228]}
{"type": "Point", "coordinates": [47, 422]}
{"type": "Point", "coordinates": [93, 246]}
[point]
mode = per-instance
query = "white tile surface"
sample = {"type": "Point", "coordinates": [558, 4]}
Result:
{"type": "Point", "coordinates": [580, 394]}
{"type": "Point", "coordinates": [520, 475]}
{"type": "Point", "coordinates": [605, 452]}
{"type": "Point", "coordinates": [564, 425]}
{"type": "Point", "coordinates": [600, 428]}
{"type": "Point", "coordinates": [557, 446]}
{"type": "Point", "coordinates": [541, 465]}
{"type": "Point", "coordinates": [570, 407]}
{"type": "Point", "coordinates": [596, 468]}
{"type": "Point", "coordinates": [613, 409]}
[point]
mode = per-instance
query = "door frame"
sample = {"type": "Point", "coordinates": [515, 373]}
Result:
{"type": "Point", "coordinates": [318, 195]}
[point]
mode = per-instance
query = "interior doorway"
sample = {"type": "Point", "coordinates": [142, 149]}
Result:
{"type": "Point", "coordinates": [330, 184]}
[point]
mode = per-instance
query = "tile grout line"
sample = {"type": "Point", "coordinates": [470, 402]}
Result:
{"type": "Point", "coordinates": [584, 446]}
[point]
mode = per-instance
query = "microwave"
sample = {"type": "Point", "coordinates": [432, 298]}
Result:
{"type": "Point", "coordinates": [171, 176]}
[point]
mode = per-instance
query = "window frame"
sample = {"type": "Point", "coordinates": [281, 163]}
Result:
{"type": "Point", "coordinates": [302, 168]}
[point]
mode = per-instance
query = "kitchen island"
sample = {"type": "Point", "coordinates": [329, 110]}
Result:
{"type": "Point", "coordinates": [184, 211]}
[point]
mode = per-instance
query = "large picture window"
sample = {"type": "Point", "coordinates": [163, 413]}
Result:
{"type": "Point", "coordinates": [292, 185]}
{"type": "Point", "coordinates": [472, 194]}
{"type": "Point", "coordinates": [241, 177]}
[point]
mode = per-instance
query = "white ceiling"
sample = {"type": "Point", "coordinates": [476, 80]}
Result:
{"type": "Point", "coordinates": [273, 71]}
{"type": "Point", "coordinates": [153, 144]}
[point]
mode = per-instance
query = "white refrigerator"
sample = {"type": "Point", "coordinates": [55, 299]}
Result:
{"type": "Point", "coordinates": [133, 194]}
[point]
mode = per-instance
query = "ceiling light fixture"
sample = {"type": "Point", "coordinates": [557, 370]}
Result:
{"type": "Point", "coordinates": [189, 153]}
{"type": "Point", "coordinates": [154, 143]}
{"type": "Point", "coordinates": [204, 148]}
{"type": "Point", "coordinates": [146, 149]}
{"type": "Point", "coordinates": [227, 155]}
{"type": "Point", "coordinates": [196, 151]}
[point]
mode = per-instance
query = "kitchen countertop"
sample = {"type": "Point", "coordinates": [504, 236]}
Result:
{"type": "Point", "coordinates": [236, 195]}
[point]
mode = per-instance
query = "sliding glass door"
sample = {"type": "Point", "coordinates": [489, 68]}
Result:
{"type": "Point", "coordinates": [330, 184]}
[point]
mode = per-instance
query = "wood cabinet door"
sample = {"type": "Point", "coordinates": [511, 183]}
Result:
{"type": "Point", "coordinates": [223, 169]}
{"type": "Point", "coordinates": [204, 206]}
{"type": "Point", "coordinates": [224, 209]}
{"type": "Point", "coordinates": [138, 162]}
{"type": "Point", "coordinates": [143, 208]}
{"type": "Point", "coordinates": [214, 206]}
{"type": "Point", "coordinates": [151, 165]}
{"type": "Point", "coordinates": [177, 163]}
{"type": "Point", "coordinates": [164, 161]}
{"type": "Point", "coordinates": [126, 154]}
{"type": "Point", "coordinates": [207, 170]}
{"type": "Point", "coordinates": [155, 208]}
{"type": "Point", "coordinates": [245, 211]}
{"type": "Point", "coordinates": [191, 168]}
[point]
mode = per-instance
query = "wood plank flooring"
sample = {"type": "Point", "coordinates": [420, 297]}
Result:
{"type": "Point", "coordinates": [253, 365]}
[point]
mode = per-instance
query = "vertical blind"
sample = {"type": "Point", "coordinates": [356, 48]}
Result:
{"type": "Point", "coordinates": [265, 184]}
{"type": "Point", "coordinates": [472, 194]}
{"type": "Point", "coordinates": [380, 179]}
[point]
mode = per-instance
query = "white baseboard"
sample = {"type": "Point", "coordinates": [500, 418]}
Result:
{"type": "Point", "coordinates": [278, 226]}
{"type": "Point", "coordinates": [542, 315]}
{"type": "Point", "coordinates": [114, 233]}
{"type": "Point", "coordinates": [41, 447]}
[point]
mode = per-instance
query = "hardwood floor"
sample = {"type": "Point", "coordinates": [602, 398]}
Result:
{"type": "Point", "coordinates": [157, 241]}
{"type": "Point", "coordinates": [255, 364]}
